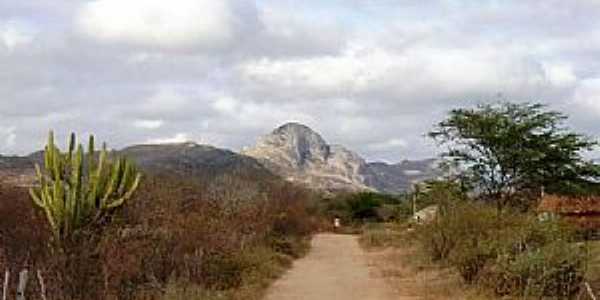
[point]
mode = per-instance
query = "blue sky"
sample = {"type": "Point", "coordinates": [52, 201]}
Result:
{"type": "Point", "coordinates": [374, 75]}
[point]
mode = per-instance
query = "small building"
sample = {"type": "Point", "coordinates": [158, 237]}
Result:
{"type": "Point", "coordinates": [426, 214]}
{"type": "Point", "coordinates": [583, 212]}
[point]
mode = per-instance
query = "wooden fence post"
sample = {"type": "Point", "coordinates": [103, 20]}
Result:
{"type": "Point", "coordinates": [5, 285]}
{"type": "Point", "coordinates": [589, 290]}
{"type": "Point", "coordinates": [23, 276]}
{"type": "Point", "coordinates": [42, 285]}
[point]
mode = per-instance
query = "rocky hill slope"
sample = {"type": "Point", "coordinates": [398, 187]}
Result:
{"type": "Point", "coordinates": [292, 151]}
{"type": "Point", "coordinates": [184, 159]}
{"type": "Point", "coordinates": [299, 154]}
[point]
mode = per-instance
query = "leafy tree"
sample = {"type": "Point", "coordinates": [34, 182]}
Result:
{"type": "Point", "coordinates": [512, 151]}
{"type": "Point", "coordinates": [363, 205]}
{"type": "Point", "coordinates": [443, 193]}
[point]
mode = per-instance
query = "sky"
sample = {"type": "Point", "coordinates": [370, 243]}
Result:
{"type": "Point", "coordinates": [373, 75]}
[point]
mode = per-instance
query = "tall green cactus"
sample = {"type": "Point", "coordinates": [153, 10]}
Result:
{"type": "Point", "coordinates": [77, 189]}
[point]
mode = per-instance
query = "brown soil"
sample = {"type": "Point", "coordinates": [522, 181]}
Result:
{"type": "Point", "coordinates": [336, 268]}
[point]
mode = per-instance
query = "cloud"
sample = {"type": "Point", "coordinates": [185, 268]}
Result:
{"type": "Point", "coordinates": [148, 124]}
{"type": "Point", "coordinates": [176, 139]}
{"type": "Point", "coordinates": [15, 34]}
{"type": "Point", "coordinates": [389, 144]}
{"type": "Point", "coordinates": [8, 137]}
{"type": "Point", "coordinates": [365, 74]}
{"type": "Point", "coordinates": [587, 96]}
{"type": "Point", "coordinates": [387, 81]}
{"type": "Point", "coordinates": [173, 25]}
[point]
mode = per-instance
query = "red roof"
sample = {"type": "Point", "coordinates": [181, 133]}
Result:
{"type": "Point", "coordinates": [569, 205]}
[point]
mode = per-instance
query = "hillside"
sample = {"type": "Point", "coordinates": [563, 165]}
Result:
{"type": "Point", "coordinates": [300, 154]}
{"type": "Point", "coordinates": [185, 159]}
{"type": "Point", "coordinates": [292, 151]}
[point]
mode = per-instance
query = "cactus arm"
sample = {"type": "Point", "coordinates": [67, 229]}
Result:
{"type": "Point", "coordinates": [128, 194]}
{"type": "Point", "coordinates": [35, 196]}
{"type": "Point", "coordinates": [38, 173]}
{"type": "Point", "coordinates": [96, 180]}
{"type": "Point", "coordinates": [125, 180]}
{"type": "Point", "coordinates": [76, 186]}
{"type": "Point", "coordinates": [91, 155]}
{"type": "Point", "coordinates": [112, 184]}
{"type": "Point", "coordinates": [72, 142]}
{"type": "Point", "coordinates": [76, 190]}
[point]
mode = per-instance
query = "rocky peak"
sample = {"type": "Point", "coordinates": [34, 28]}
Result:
{"type": "Point", "coordinates": [298, 143]}
{"type": "Point", "coordinates": [300, 154]}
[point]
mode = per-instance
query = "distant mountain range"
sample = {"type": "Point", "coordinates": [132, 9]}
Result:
{"type": "Point", "coordinates": [299, 154]}
{"type": "Point", "coordinates": [292, 151]}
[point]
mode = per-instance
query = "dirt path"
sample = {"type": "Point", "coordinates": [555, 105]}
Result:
{"type": "Point", "coordinates": [336, 268]}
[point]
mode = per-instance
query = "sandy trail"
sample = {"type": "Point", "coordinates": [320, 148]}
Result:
{"type": "Point", "coordinates": [336, 268]}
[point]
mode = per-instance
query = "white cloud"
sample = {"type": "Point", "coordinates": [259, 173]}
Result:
{"type": "Point", "coordinates": [176, 139]}
{"type": "Point", "coordinates": [148, 124]}
{"type": "Point", "coordinates": [173, 24]}
{"type": "Point", "coordinates": [165, 100]}
{"type": "Point", "coordinates": [388, 145]}
{"type": "Point", "coordinates": [226, 105]}
{"type": "Point", "coordinates": [8, 137]}
{"type": "Point", "coordinates": [560, 74]}
{"type": "Point", "coordinates": [587, 96]}
{"type": "Point", "coordinates": [362, 74]}
{"type": "Point", "coordinates": [416, 73]}
{"type": "Point", "coordinates": [14, 34]}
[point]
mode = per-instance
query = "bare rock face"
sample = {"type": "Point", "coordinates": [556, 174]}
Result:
{"type": "Point", "coordinates": [299, 154]}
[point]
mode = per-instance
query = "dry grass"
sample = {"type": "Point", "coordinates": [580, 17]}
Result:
{"type": "Point", "coordinates": [413, 277]}
{"type": "Point", "coordinates": [226, 238]}
{"type": "Point", "coordinates": [593, 265]}
{"type": "Point", "coordinates": [408, 270]}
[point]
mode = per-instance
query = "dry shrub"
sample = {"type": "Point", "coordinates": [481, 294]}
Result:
{"type": "Point", "coordinates": [513, 254]}
{"type": "Point", "coordinates": [214, 235]}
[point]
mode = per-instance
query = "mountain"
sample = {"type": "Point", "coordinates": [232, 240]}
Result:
{"type": "Point", "coordinates": [394, 178]}
{"type": "Point", "coordinates": [185, 159]}
{"type": "Point", "coordinates": [299, 154]}
{"type": "Point", "coordinates": [17, 170]}
{"type": "Point", "coordinates": [193, 160]}
{"type": "Point", "coordinates": [292, 151]}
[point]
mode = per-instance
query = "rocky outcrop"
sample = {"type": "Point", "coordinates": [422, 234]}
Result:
{"type": "Point", "coordinates": [299, 154]}
{"type": "Point", "coordinates": [292, 151]}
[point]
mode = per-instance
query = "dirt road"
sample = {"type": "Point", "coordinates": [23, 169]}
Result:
{"type": "Point", "coordinates": [336, 268]}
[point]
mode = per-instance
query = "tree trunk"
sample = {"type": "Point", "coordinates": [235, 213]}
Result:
{"type": "Point", "coordinates": [5, 286]}
{"type": "Point", "coordinates": [42, 285]}
{"type": "Point", "coordinates": [23, 277]}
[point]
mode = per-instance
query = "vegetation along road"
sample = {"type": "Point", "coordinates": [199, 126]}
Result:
{"type": "Point", "coordinates": [336, 268]}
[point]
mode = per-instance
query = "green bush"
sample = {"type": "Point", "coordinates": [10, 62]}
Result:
{"type": "Point", "coordinates": [355, 208]}
{"type": "Point", "coordinates": [556, 269]}
{"type": "Point", "coordinates": [514, 254]}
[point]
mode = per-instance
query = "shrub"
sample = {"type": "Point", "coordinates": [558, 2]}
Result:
{"type": "Point", "coordinates": [214, 237]}
{"type": "Point", "coordinates": [513, 253]}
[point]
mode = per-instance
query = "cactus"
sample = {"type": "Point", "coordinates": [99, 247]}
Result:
{"type": "Point", "coordinates": [77, 189]}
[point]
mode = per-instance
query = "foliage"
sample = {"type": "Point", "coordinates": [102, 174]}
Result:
{"type": "Point", "coordinates": [77, 190]}
{"type": "Point", "coordinates": [514, 254]}
{"type": "Point", "coordinates": [365, 206]}
{"type": "Point", "coordinates": [215, 238]}
{"type": "Point", "coordinates": [378, 235]}
{"type": "Point", "coordinates": [510, 148]}
{"type": "Point", "coordinates": [442, 193]}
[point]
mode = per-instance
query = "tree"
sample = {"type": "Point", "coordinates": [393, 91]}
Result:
{"type": "Point", "coordinates": [363, 205]}
{"type": "Point", "coordinates": [77, 189]}
{"type": "Point", "coordinates": [517, 149]}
